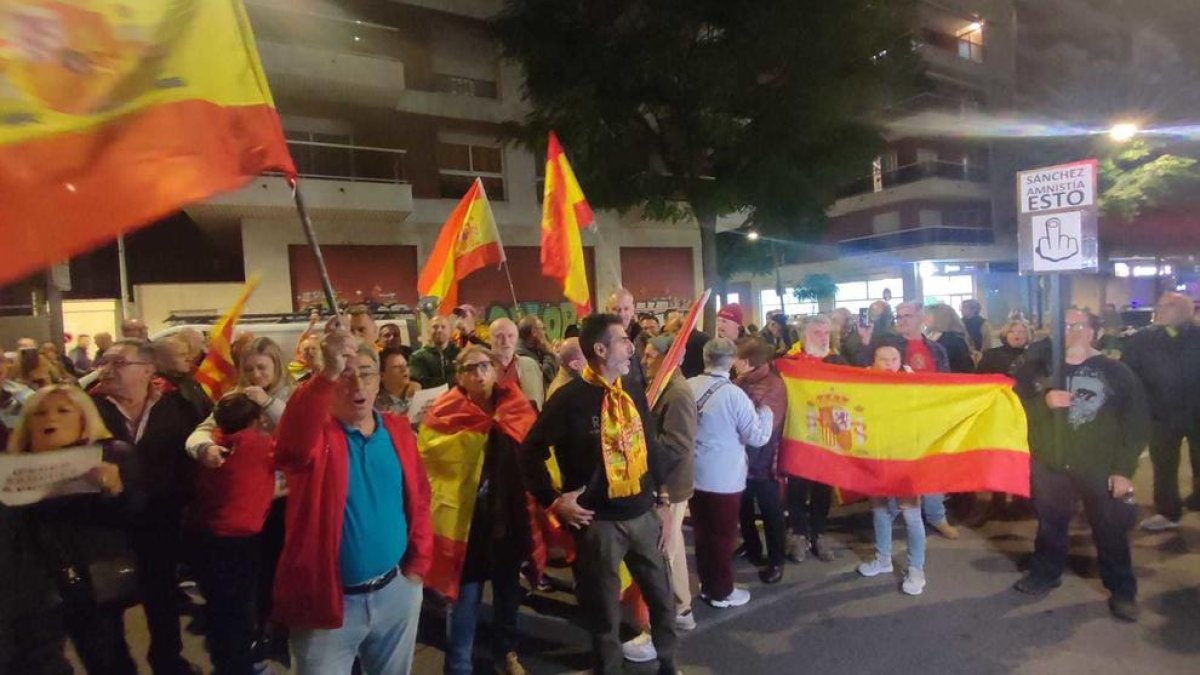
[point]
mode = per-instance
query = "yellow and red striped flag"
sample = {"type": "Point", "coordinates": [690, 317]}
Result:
{"type": "Point", "coordinates": [218, 372]}
{"type": "Point", "coordinates": [114, 114]}
{"type": "Point", "coordinates": [903, 434]}
{"type": "Point", "coordinates": [468, 242]}
{"type": "Point", "coordinates": [565, 212]}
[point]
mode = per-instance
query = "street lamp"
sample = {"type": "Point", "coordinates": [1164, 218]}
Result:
{"type": "Point", "coordinates": [1123, 131]}
{"type": "Point", "coordinates": [752, 235]}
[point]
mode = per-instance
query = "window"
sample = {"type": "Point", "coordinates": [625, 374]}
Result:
{"type": "Point", "coordinates": [883, 223]}
{"type": "Point", "coordinates": [950, 289]}
{"type": "Point", "coordinates": [970, 42]}
{"type": "Point", "coordinates": [459, 164]}
{"type": "Point", "coordinates": [856, 295]}
{"type": "Point", "coordinates": [768, 301]}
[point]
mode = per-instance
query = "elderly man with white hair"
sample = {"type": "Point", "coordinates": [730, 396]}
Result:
{"type": "Point", "coordinates": [519, 370]}
{"type": "Point", "coordinates": [726, 423]}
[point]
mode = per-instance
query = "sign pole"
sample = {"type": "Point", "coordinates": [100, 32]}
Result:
{"type": "Point", "coordinates": [306, 223]}
{"type": "Point", "coordinates": [1058, 333]}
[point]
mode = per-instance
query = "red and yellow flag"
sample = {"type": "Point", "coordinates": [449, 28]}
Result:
{"type": "Point", "coordinates": [565, 212]}
{"type": "Point", "coordinates": [468, 242]}
{"type": "Point", "coordinates": [903, 434]}
{"type": "Point", "coordinates": [453, 441]}
{"type": "Point", "coordinates": [217, 372]}
{"type": "Point", "coordinates": [114, 114]}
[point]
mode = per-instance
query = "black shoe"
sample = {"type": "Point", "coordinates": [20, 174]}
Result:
{"type": "Point", "coordinates": [1037, 587]}
{"type": "Point", "coordinates": [772, 575]}
{"type": "Point", "coordinates": [1124, 610]}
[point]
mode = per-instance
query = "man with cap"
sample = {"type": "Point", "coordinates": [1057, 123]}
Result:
{"type": "Point", "coordinates": [729, 321]}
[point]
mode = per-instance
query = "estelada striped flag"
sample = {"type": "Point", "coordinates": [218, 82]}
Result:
{"type": "Point", "coordinates": [903, 434]}
{"type": "Point", "coordinates": [114, 114]}
{"type": "Point", "coordinates": [218, 372]}
{"type": "Point", "coordinates": [468, 242]}
{"type": "Point", "coordinates": [453, 442]}
{"type": "Point", "coordinates": [565, 212]}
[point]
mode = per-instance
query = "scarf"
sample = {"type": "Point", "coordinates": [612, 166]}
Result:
{"type": "Point", "coordinates": [622, 439]}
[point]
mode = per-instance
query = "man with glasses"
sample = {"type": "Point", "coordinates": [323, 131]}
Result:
{"type": "Point", "coordinates": [1166, 359]}
{"type": "Point", "coordinates": [157, 425]}
{"type": "Point", "coordinates": [359, 540]}
{"type": "Point", "coordinates": [614, 496]}
{"type": "Point", "coordinates": [1085, 441]}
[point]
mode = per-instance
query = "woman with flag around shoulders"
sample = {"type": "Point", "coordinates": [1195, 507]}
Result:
{"type": "Point", "coordinates": [482, 515]}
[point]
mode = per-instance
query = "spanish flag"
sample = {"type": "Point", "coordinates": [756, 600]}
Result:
{"type": "Point", "coordinates": [565, 212]}
{"type": "Point", "coordinates": [114, 114]}
{"type": "Point", "coordinates": [453, 442]}
{"type": "Point", "coordinates": [218, 372]}
{"type": "Point", "coordinates": [903, 434]}
{"type": "Point", "coordinates": [468, 242]}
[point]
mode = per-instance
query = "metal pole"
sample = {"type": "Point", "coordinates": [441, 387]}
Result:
{"type": "Point", "coordinates": [306, 222]}
{"type": "Point", "coordinates": [513, 289]}
{"type": "Point", "coordinates": [1057, 329]}
{"type": "Point", "coordinates": [124, 271]}
{"type": "Point", "coordinates": [779, 280]}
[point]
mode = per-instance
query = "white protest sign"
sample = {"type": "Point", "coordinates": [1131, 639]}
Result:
{"type": "Point", "coordinates": [1057, 221]}
{"type": "Point", "coordinates": [421, 402]}
{"type": "Point", "coordinates": [30, 477]}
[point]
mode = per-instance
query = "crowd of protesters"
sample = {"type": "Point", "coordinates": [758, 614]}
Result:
{"type": "Point", "coordinates": [316, 520]}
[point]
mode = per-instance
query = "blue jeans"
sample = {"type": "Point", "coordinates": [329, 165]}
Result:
{"type": "Point", "coordinates": [464, 616]}
{"type": "Point", "coordinates": [881, 510]}
{"type": "Point", "coordinates": [380, 628]}
{"type": "Point", "coordinates": [934, 508]}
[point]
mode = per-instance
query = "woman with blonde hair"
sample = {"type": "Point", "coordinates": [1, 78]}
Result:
{"type": "Point", "coordinates": [70, 550]}
{"type": "Point", "coordinates": [946, 329]}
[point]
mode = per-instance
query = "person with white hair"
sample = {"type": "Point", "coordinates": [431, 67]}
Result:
{"type": "Point", "coordinates": [726, 423]}
{"type": "Point", "coordinates": [514, 368]}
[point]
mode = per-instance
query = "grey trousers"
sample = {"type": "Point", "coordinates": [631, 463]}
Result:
{"type": "Point", "coordinates": [599, 551]}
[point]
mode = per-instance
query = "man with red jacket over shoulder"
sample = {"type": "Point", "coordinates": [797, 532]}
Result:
{"type": "Point", "coordinates": [359, 539]}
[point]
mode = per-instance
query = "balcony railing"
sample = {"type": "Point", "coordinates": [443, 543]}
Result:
{"type": "Point", "coordinates": [354, 163]}
{"type": "Point", "coordinates": [950, 45]}
{"type": "Point", "coordinates": [932, 102]}
{"type": "Point", "coordinates": [464, 86]}
{"type": "Point", "coordinates": [920, 236]}
{"type": "Point", "coordinates": [911, 173]}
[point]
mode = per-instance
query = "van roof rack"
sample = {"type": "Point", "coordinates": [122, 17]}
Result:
{"type": "Point", "coordinates": [380, 314]}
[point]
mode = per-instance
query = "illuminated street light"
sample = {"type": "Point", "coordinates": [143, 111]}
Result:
{"type": "Point", "coordinates": [752, 235]}
{"type": "Point", "coordinates": [1123, 131]}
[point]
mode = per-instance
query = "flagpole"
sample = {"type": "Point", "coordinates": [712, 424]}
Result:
{"type": "Point", "coordinates": [306, 222]}
{"type": "Point", "coordinates": [513, 289]}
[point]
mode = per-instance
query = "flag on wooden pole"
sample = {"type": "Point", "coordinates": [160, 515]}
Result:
{"type": "Point", "coordinates": [218, 372]}
{"type": "Point", "coordinates": [565, 212]}
{"type": "Point", "coordinates": [113, 115]}
{"type": "Point", "coordinates": [468, 242]}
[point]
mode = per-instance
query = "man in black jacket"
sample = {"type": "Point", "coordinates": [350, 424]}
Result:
{"type": "Point", "coordinates": [613, 495]}
{"type": "Point", "coordinates": [157, 425]}
{"type": "Point", "coordinates": [1166, 358]}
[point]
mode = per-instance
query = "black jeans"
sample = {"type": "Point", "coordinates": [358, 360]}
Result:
{"type": "Point", "coordinates": [808, 506]}
{"type": "Point", "coordinates": [158, 549]}
{"type": "Point", "coordinates": [1054, 495]}
{"type": "Point", "coordinates": [764, 493]}
{"type": "Point", "coordinates": [599, 550]}
{"type": "Point", "coordinates": [1165, 456]}
{"type": "Point", "coordinates": [228, 574]}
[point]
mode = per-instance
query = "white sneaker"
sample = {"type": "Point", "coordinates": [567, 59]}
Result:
{"type": "Point", "coordinates": [685, 620]}
{"type": "Point", "coordinates": [914, 581]}
{"type": "Point", "coordinates": [737, 598]}
{"type": "Point", "coordinates": [640, 649]}
{"type": "Point", "coordinates": [876, 567]}
{"type": "Point", "coordinates": [1159, 523]}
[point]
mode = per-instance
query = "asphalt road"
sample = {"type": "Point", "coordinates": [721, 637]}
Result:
{"type": "Point", "coordinates": [824, 618]}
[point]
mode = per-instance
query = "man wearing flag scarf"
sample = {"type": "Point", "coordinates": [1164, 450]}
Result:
{"type": "Point", "coordinates": [614, 491]}
{"type": "Point", "coordinates": [482, 517]}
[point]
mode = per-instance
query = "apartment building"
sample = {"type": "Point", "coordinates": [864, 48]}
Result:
{"type": "Point", "coordinates": [932, 217]}
{"type": "Point", "coordinates": [391, 110]}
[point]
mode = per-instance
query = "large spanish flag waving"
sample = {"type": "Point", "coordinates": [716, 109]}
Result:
{"type": "Point", "coordinates": [453, 441]}
{"type": "Point", "coordinates": [903, 434]}
{"type": "Point", "coordinates": [116, 113]}
{"type": "Point", "coordinates": [218, 372]}
{"type": "Point", "coordinates": [565, 212]}
{"type": "Point", "coordinates": [468, 242]}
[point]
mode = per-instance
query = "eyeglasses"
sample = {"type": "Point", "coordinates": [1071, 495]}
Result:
{"type": "Point", "coordinates": [361, 373]}
{"type": "Point", "coordinates": [905, 316]}
{"type": "Point", "coordinates": [477, 367]}
{"type": "Point", "coordinates": [1078, 326]}
{"type": "Point", "coordinates": [117, 364]}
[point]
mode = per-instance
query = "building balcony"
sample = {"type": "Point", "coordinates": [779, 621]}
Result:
{"type": "Point", "coordinates": [299, 71]}
{"type": "Point", "coordinates": [919, 236]}
{"type": "Point", "coordinates": [337, 179]}
{"type": "Point", "coordinates": [922, 180]}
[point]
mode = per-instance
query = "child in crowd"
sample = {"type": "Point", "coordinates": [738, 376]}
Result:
{"type": "Point", "coordinates": [889, 358]}
{"type": "Point", "coordinates": [232, 503]}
